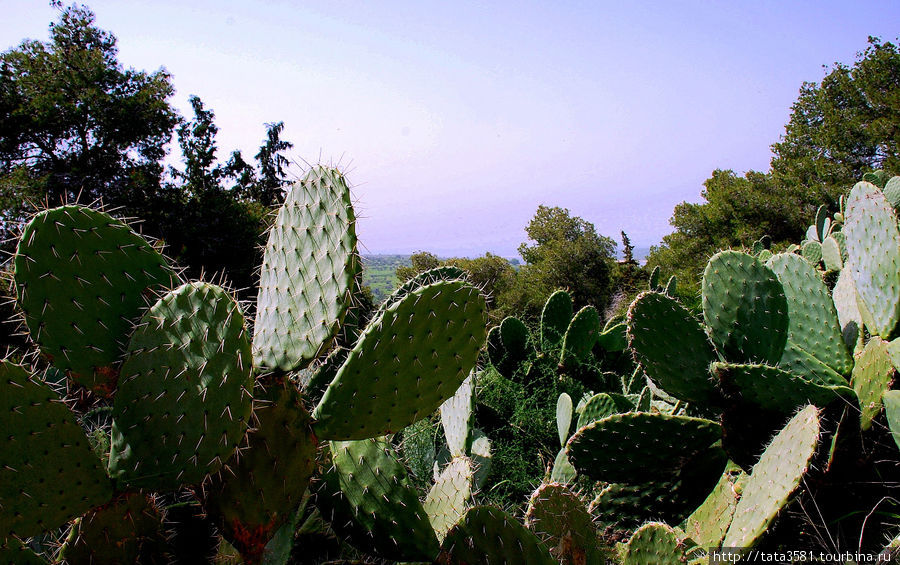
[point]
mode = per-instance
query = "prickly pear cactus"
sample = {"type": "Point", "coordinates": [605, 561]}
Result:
{"type": "Point", "coordinates": [672, 347]}
{"type": "Point", "coordinates": [745, 308]}
{"type": "Point", "coordinates": [563, 417]}
{"type": "Point", "coordinates": [773, 389]}
{"type": "Point", "coordinates": [708, 524]}
{"type": "Point", "coordinates": [561, 521]}
{"type": "Point", "coordinates": [408, 361]}
{"type": "Point", "coordinates": [82, 279]}
{"type": "Point", "coordinates": [308, 273]}
{"type": "Point", "coordinates": [48, 473]}
{"type": "Point", "coordinates": [872, 376]}
{"type": "Point", "coordinates": [184, 396]}
{"type": "Point", "coordinates": [262, 487]}
{"type": "Point", "coordinates": [654, 544]}
{"type": "Point", "coordinates": [450, 496]}
{"type": "Point", "coordinates": [581, 335]}
{"type": "Point", "coordinates": [774, 479]}
{"type": "Point", "coordinates": [602, 405]}
{"type": "Point", "coordinates": [456, 418]}
{"type": "Point", "coordinates": [555, 319]}
{"type": "Point", "coordinates": [489, 536]}
{"type": "Point", "coordinates": [891, 401]}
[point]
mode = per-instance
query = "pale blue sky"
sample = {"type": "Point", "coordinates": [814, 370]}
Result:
{"type": "Point", "coordinates": [455, 120]}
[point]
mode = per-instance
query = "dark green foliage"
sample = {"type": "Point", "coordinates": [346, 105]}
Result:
{"type": "Point", "coordinates": [489, 536]}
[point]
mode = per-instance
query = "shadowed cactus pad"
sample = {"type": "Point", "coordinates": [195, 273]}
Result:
{"type": "Point", "coordinates": [308, 272]}
{"type": "Point", "coordinates": [773, 389]}
{"type": "Point", "coordinates": [406, 364]}
{"type": "Point", "coordinates": [872, 376]}
{"type": "Point", "coordinates": [581, 335]}
{"type": "Point", "coordinates": [639, 446]}
{"type": "Point", "coordinates": [48, 473]}
{"type": "Point", "coordinates": [774, 479]}
{"type": "Point", "coordinates": [555, 318]}
{"type": "Point", "coordinates": [489, 536]}
{"type": "Point", "coordinates": [81, 280]}
{"type": "Point", "coordinates": [653, 544]}
{"type": "Point", "coordinates": [745, 308]}
{"type": "Point", "coordinates": [184, 395]}
{"type": "Point", "coordinates": [561, 521]}
{"type": "Point", "coordinates": [672, 347]}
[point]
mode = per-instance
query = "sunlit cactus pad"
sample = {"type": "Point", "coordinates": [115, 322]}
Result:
{"type": "Point", "coordinates": [555, 318]}
{"type": "Point", "coordinates": [653, 544]}
{"type": "Point", "coordinates": [184, 397]}
{"type": "Point", "coordinates": [872, 376]}
{"type": "Point", "coordinates": [773, 389]}
{"type": "Point", "coordinates": [82, 279]}
{"type": "Point", "coordinates": [561, 521]}
{"type": "Point", "coordinates": [449, 497]}
{"type": "Point", "coordinates": [774, 479]}
{"type": "Point", "coordinates": [48, 473]}
{"type": "Point", "coordinates": [308, 272]}
{"type": "Point", "coordinates": [639, 446]}
{"type": "Point", "coordinates": [367, 496]}
{"type": "Point", "coordinates": [408, 361]}
{"type": "Point", "coordinates": [744, 308]}
{"type": "Point", "coordinates": [490, 536]}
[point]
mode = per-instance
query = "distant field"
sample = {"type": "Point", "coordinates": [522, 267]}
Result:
{"type": "Point", "coordinates": [378, 273]}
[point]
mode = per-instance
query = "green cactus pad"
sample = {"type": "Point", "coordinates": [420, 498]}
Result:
{"type": "Point", "coordinates": [672, 347]}
{"type": "Point", "coordinates": [653, 544]}
{"type": "Point", "coordinates": [653, 283]}
{"type": "Point", "coordinates": [316, 378]}
{"type": "Point", "coordinates": [708, 524]}
{"type": "Point", "coordinates": [82, 279]}
{"type": "Point", "coordinates": [561, 521]}
{"type": "Point", "coordinates": [774, 479]}
{"type": "Point", "coordinates": [425, 278]}
{"type": "Point", "coordinates": [872, 376]}
{"type": "Point", "coordinates": [801, 363]}
{"type": "Point", "coordinates": [847, 307]}
{"type": "Point", "coordinates": [515, 338]}
{"type": "Point", "coordinates": [367, 497]}
{"type": "Point", "coordinates": [639, 446]}
{"type": "Point", "coordinates": [774, 389]}
{"type": "Point", "coordinates": [831, 254]}
{"type": "Point", "coordinates": [308, 273]}
{"type": "Point", "coordinates": [602, 405]}
{"type": "Point", "coordinates": [891, 191]}
{"type": "Point", "coordinates": [878, 177]}
{"type": "Point", "coordinates": [614, 338]}
{"type": "Point", "coordinates": [264, 485]}
{"type": "Point", "coordinates": [812, 252]}
{"type": "Point", "coordinates": [48, 473]}
{"type": "Point", "coordinates": [821, 222]}
{"type": "Point", "coordinates": [555, 319]}
{"type": "Point", "coordinates": [406, 364]}
{"type": "Point", "coordinates": [450, 495]}
{"type": "Point", "coordinates": [581, 336]}
{"type": "Point", "coordinates": [184, 397]}
{"type": "Point", "coordinates": [481, 458]}
{"type": "Point", "coordinates": [14, 552]}
{"type": "Point", "coordinates": [563, 417]}
{"type": "Point", "coordinates": [127, 530]}
{"type": "Point", "coordinates": [891, 401]}
{"type": "Point", "coordinates": [813, 321]}
{"type": "Point", "coordinates": [456, 418]}
{"type": "Point", "coordinates": [745, 308]}
{"type": "Point", "coordinates": [562, 470]}
{"type": "Point", "coordinates": [489, 536]}
{"type": "Point", "coordinates": [873, 246]}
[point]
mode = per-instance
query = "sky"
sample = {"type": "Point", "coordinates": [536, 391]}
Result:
{"type": "Point", "coordinates": [454, 121]}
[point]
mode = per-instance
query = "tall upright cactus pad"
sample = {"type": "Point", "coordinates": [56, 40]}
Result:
{"type": "Point", "coordinates": [81, 280]}
{"type": "Point", "coordinates": [672, 347]}
{"type": "Point", "coordinates": [773, 389]}
{"type": "Point", "coordinates": [745, 308]}
{"type": "Point", "coordinates": [48, 473]}
{"type": "Point", "coordinates": [581, 335]}
{"type": "Point", "coordinates": [515, 338]}
{"type": "Point", "coordinates": [847, 307]}
{"type": "Point", "coordinates": [368, 496]}
{"type": "Point", "coordinates": [406, 364]}
{"type": "Point", "coordinates": [654, 543]}
{"type": "Point", "coordinates": [490, 536]}
{"type": "Point", "coordinates": [709, 522]}
{"type": "Point", "coordinates": [813, 321]}
{"type": "Point", "coordinates": [561, 521]}
{"type": "Point", "coordinates": [265, 483]}
{"type": "Point", "coordinates": [872, 376]}
{"type": "Point", "coordinates": [563, 417]}
{"type": "Point", "coordinates": [308, 272]}
{"type": "Point", "coordinates": [774, 479]}
{"type": "Point", "coordinates": [639, 446]}
{"type": "Point", "coordinates": [891, 401]}
{"type": "Point", "coordinates": [129, 529]}
{"type": "Point", "coordinates": [450, 495]}
{"type": "Point", "coordinates": [184, 397]}
{"type": "Point", "coordinates": [873, 246]}
{"type": "Point", "coordinates": [481, 456]}
{"type": "Point", "coordinates": [555, 319]}
{"type": "Point", "coordinates": [456, 418]}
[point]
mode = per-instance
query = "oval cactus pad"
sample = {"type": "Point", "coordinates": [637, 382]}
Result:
{"type": "Point", "coordinates": [406, 364]}
{"type": "Point", "coordinates": [81, 277]}
{"type": "Point", "coordinates": [308, 273]}
{"type": "Point", "coordinates": [184, 395]}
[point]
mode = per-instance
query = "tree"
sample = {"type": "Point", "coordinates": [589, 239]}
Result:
{"type": "Point", "coordinates": [74, 121]}
{"type": "Point", "coordinates": [197, 139]}
{"type": "Point", "coordinates": [269, 188]}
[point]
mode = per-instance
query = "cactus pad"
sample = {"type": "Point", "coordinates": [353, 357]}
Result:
{"type": "Point", "coordinates": [450, 495]}
{"type": "Point", "coordinates": [602, 405]}
{"type": "Point", "coordinates": [872, 376]}
{"type": "Point", "coordinates": [653, 544]}
{"type": "Point", "coordinates": [774, 479]}
{"type": "Point", "coordinates": [308, 273]}
{"type": "Point", "coordinates": [581, 336]}
{"type": "Point", "coordinates": [774, 389]}
{"type": "Point", "coordinates": [745, 308]}
{"type": "Point", "coordinates": [489, 536]}
{"type": "Point", "coordinates": [561, 521]}
{"type": "Point", "coordinates": [555, 319]}
{"type": "Point", "coordinates": [873, 246]}
{"type": "Point", "coordinates": [456, 418]}
{"type": "Point", "coordinates": [184, 397]}
{"type": "Point", "coordinates": [563, 417]}
{"type": "Point", "coordinates": [672, 347]}
{"type": "Point", "coordinates": [847, 307]}
{"type": "Point", "coordinates": [708, 524]}
{"type": "Point", "coordinates": [639, 446]}
{"type": "Point", "coordinates": [891, 401]}
{"type": "Point", "coordinates": [81, 279]}
{"type": "Point", "coordinates": [406, 364]}
{"type": "Point", "coordinates": [48, 473]}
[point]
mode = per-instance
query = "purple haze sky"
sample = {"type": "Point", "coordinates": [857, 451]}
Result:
{"type": "Point", "coordinates": [455, 120]}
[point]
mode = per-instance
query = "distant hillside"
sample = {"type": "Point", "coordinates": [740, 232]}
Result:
{"type": "Point", "coordinates": [378, 273]}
